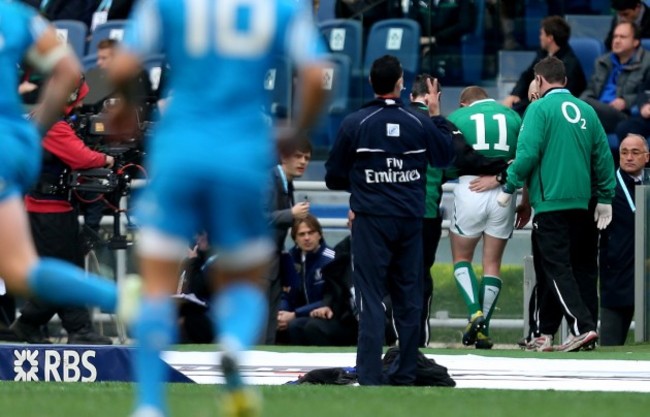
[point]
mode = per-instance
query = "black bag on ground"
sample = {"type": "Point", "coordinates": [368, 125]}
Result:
{"type": "Point", "coordinates": [428, 374]}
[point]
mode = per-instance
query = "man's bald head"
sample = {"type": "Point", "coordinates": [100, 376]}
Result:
{"type": "Point", "coordinates": [533, 91]}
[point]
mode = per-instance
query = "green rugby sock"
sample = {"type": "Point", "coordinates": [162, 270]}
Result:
{"type": "Point", "coordinates": [489, 294]}
{"type": "Point", "coordinates": [468, 286]}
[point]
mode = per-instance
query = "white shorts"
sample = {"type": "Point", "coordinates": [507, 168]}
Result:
{"type": "Point", "coordinates": [478, 213]}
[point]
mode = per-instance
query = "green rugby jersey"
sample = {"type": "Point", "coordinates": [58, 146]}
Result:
{"type": "Point", "coordinates": [490, 127]}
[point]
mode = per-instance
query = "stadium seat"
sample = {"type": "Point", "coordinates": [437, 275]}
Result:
{"type": "Point", "coordinates": [398, 37]}
{"type": "Point", "coordinates": [587, 50]}
{"type": "Point", "coordinates": [645, 43]}
{"type": "Point", "coordinates": [73, 33]}
{"type": "Point", "coordinates": [336, 81]}
{"type": "Point", "coordinates": [278, 82]}
{"type": "Point", "coordinates": [89, 61]}
{"type": "Point", "coordinates": [534, 12]}
{"type": "Point", "coordinates": [344, 36]}
{"type": "Point", "coordinates": [113, 29]}
{"type": "Point", "coordinates": [511, 65]}
{"type": "Point", "coordinates": [326, 10]}
{"type": "Point", "coordinates": [154, 64]}
{"type": "Point", "coordinates": [589, 26]}
{"type": "Point", "coordinates": [472, 46]}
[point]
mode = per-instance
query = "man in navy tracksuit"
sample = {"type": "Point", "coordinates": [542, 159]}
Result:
{"type": "Point", "coordinates": [380, 155]}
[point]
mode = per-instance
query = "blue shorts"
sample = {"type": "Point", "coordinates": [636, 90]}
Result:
{"type": "Point", "coordinates": [20, 158]}
{"type": "Point", "coordinates": [225, 198]}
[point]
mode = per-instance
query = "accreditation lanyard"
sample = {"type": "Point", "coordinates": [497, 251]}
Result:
{"type": "Point", "coordinates": [625, 191]}
{"type": "Point", "coordinates": [101, 15]}
{"type": "Point", "coordinates": [283, 177]}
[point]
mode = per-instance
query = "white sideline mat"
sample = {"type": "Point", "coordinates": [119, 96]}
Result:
{"type": "Point", "coordinates": [469, 371]}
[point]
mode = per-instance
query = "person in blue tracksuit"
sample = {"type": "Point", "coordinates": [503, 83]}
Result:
{"type": "Point", "coordinates": [380, 155]}
{"type": "Point", "coordinates": [303, 283]}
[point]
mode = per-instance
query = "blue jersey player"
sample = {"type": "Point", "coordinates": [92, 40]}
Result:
{"type": "Point", "coordinates": [209, 158]}
{"type": "Point", "coordinates": [24, 36]}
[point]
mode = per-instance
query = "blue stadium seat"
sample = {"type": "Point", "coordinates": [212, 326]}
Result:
{"type": "Point", "coordinates": [534, 12]}
{"type": "Point", "coordinates": [154, 64]}
{"type": "Point", "coordinates": [589, 26]}
{"type": "Point", "coordinates": [398, 37]}
{"type": "Point", "coordinates": [587, 50]}
{"type": "Point", "coordinates": [278, 82]}
{"type": "Point", "coordinates": [113, 29]}
{"type": "Point", "coordinates": [89, 61]}
{"type": "Point", "coordinates": [74, 33]}
{"type": "Point", "coordinates": [511, 65]}
{"type": "Point", "coordinates": [326, 10]}
{"type": "Point", "coordinates": [645, 43]}
{"type": "Point", "coordinates": [472, 46]}
{"type": "Point", "coordinates": [344, 36]}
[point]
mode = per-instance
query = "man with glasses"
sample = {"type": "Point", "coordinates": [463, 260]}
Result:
{"type": "Point", "coordinates": [617, 245]}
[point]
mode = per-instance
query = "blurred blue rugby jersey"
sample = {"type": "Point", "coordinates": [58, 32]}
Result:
{"type": "Point", "coordinates": [218, 65]}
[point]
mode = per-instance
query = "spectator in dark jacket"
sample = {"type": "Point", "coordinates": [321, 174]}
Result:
{"type": "Point", "coordinates": [617, 246]}
{"type": "Point", "coordinates": [554, 37]}
{"type": "Point", "coordinates": [303, 283]}
{"type": "Point", "coordinates": [282, 211]}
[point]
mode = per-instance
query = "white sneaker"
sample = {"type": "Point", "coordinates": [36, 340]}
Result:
{"type": "Point", "coordinates": [129, 295]}
{"type": "Point", "coordinates": [543, 343]}
{"type": "Point", "coordinates": [575, 343]}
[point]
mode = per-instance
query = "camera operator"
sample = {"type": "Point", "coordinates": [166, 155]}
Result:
{"type": "Point", "coordinates": [55, 226]}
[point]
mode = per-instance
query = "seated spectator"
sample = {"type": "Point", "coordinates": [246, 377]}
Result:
{"type": "Point", "coordinates": [639, 122]}
{"type": "Point", "coordinates": [554, 35]}
{"type": "Point", "coordinates": [193, 295]}
{"type": "Point", "coordinates": [302, 286]}
{"type": "Point", "coordinates": [634, 11]}
{"type": "Point", "coordinates": [618, 75]}
{"type": "Point", "coordinates": [442, 27]}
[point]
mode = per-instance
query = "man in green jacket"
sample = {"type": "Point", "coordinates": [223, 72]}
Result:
{"type": "Point", "coordinates": [562, 150]}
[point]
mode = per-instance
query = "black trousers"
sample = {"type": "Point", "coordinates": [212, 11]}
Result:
{"type": "Point", "coordinates": [587, 273]}
{"type": "Point", "coordinates": [431, 232]}
{"type": "Point", "coordinates": [387, 260]}
{"type": "Point", "coordinates": [56, 235]}
{"type": "Point", "coordinates": [565, 267]}
{"type": "Point", "coordinates": [310, 331]}
{"type": "Point", "coordinates": [274, 293]}
{"type": "Point", "coordinates": [615, 324]}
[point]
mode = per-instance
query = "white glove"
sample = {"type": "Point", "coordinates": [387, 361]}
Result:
{"type": "Point", "coordinates": [503, 199]}
{"type": "Point", "coordinates": [603, 215]}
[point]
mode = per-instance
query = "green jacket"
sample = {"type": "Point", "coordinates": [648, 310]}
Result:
{"type": "Point", "coordinates": [561, 145]}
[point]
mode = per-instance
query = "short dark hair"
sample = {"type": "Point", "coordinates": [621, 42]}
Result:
{"type": "Point", "coordinates": [552, 69]}
{"type": "Point", "coordinates": [287, 147]}
{"type": "Point", "coordinates": [557, 27]}
{"type": "Point", "coordinates": [107, 43]}
{"type": "Point", "coordinates": [472, 93]}
{"type": "Point", "coordinates": [311, 222]}
{"type": "Point", "coordinates": [419, 87]}
{"type": "Point", "coordinates": [384, 74]}
{"type": "Point", "coordinates": [636, 31]}
{"type": "Point", "coordinates": [625, 4]}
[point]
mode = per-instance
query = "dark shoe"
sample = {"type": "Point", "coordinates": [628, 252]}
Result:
{"type": "Point", "coordinates": [28, 333]}
{"type": "Point", "coordinates": [476, 324]}
{"type": "Point", "coordinates": [88, 338]}
{"type": "Point", "coordinates": [483, 341]}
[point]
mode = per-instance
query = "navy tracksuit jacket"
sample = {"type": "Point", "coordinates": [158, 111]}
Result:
{"type": "Point", "coordinates": [380, 155]}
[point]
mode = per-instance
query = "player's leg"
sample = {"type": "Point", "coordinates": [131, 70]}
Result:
{"type": "Point", "coordinates": [155, 325]}
{"type": "Point", "coordinates": [462, 250]}
{"type": "Point", "coordinates": [51, 280]}
{"type": "Point", "coordinates": [238, 230]}
{"type": "Point", "coordinates": [491, 283]}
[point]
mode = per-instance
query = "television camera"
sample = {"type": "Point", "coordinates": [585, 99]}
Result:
{"type": "Point", "coordinates": [112, 184]}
